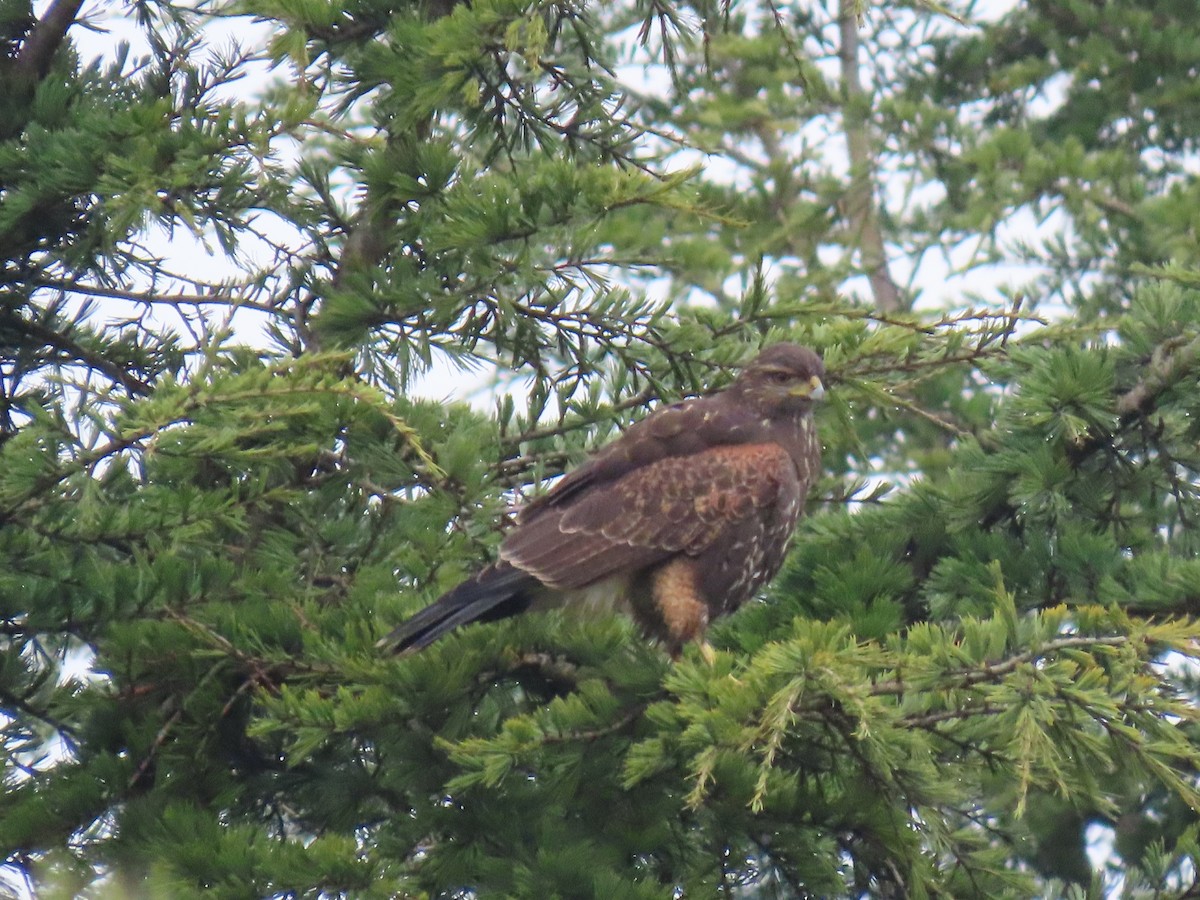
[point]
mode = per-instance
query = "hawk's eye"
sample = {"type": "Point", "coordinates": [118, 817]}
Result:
{"type": "Point", "coordinates": [781, 377]}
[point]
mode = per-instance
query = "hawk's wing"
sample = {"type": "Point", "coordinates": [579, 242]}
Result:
{"type": "Point", "coordinates": [680, 430]}
{"type": "Point", "coordinates": [673, 505]}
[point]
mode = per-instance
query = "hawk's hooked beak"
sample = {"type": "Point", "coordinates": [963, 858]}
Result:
{"type": "Point", "coordinates": [813, 389]}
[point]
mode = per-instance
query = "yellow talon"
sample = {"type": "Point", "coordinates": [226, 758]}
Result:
{"type": "Point", "coordinates": [708, 653]}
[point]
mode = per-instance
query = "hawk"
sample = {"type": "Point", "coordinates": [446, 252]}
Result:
{"type": "Point", "coordinates": [676, 522]}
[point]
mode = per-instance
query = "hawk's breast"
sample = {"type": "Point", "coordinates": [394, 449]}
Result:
{"type": "Point", "coordinates": [752, 548]}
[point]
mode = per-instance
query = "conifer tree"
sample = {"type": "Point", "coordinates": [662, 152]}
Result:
{"type": "Point", "coordinates": [975, 676]}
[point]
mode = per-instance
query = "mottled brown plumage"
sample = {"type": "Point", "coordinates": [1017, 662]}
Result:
{"type": "Point", "coordinates": [678, 521]}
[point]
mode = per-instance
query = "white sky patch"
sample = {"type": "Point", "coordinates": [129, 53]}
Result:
{"type": "Point", "coordinates": [203, 266]}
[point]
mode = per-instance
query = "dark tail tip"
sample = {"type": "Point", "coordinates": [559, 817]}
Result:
{"type": "Point", "coordinates": [497, 592]}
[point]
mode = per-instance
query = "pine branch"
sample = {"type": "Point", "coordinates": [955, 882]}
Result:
{"type": "Point", "coordinates": [934, 419]}
{"type": "Point", "coordinates": [78, 353]}
{"type": "Point", "coordinates": [1170, 362]}
{"type": "Point", "coordinates": [160, 738]}
{"type": "Point", "coordinates": [223, 298]}
{"type": "Point", "coordinates": [635, 401]}
{"type": "Point", "coordinates": [928, 720]}
{"type": "Point", "coordinates": [630, 716]}
{"type": "Point", "coordinates": [970, 675]}
{"type": "Point", "coordinates": [554, 669]}
{"type": "Point", "coordinates": [366, 243]}
{"type": "Point", "coordinates": [22, 706]}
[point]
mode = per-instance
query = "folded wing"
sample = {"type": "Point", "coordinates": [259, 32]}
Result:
{"type": "Point", "coordinates": [673, 506]}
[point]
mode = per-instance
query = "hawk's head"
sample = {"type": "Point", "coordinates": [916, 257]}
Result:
{"type": "Point", "coordinates": [783, 380]}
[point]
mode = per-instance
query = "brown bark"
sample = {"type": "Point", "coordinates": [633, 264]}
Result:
{"type": "Point", "coordinates": [861, 211]}
{"type": "Point", "coordinates": [33, 62]}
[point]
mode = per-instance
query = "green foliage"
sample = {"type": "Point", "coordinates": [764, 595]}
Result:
{"type": "Point", "coordinates": [219, 489]}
